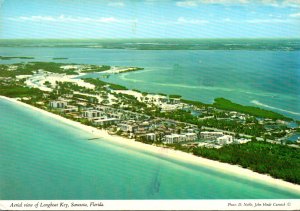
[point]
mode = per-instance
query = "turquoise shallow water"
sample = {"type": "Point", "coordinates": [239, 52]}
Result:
{"type": "Point", "coordinates": [42, 158]}
{"type": "Point", "coordinates": [269, 79]}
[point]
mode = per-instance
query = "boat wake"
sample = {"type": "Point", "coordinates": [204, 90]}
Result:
{"type": "Point", "coordinates": [124, 78]}
{"type": "Point", "coordinates": [271, 107]}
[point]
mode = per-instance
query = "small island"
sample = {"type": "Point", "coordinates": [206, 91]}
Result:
{"type": "Point", "coordinates": [248, 136]}
{"type": "Point", "coordinates": [59, 58]}
{"type": "Point", "coordinates": [15, 57]}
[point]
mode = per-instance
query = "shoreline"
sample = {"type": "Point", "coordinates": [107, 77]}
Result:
{"type": "Point", "coordinates": [170, 153]}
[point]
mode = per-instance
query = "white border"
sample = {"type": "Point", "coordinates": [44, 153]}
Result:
{"type": "Point", "coordinates": [282, 204]}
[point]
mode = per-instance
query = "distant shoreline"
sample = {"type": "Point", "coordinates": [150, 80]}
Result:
{"type": "Point", "coordinates": [169, 153]}
{"type": "Point", "coordinates": [273, 44]}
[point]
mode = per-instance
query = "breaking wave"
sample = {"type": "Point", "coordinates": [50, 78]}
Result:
{"type": "Point", "coordinates": [272, 107]}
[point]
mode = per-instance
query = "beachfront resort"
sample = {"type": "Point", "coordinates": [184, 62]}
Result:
{"type": "Point", "coordinates": [158, 119]}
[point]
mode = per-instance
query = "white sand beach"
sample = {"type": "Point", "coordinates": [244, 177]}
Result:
{"type": "Point", "coordinates": [38, 80]}
{"type": "Point", "coordinates": [169, 153]}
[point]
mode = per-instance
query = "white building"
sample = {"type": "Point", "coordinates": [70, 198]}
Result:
{"type": "Point", "coordinates": [210, 135]}
{"type": "Point", "coordinates": [127, 127]}
{"type": "Point", "coordinates": [70, 67]}
{"type": "Point", "coordinates": [117, 115]}
{"type": "Point", "coordinates": [191, 136]}
{"type": "Point", "coordinates": [182, 137]}
{"type": "Point", "coordinates": [105, 121]}
{"type": "Point", "coordinates": [175, 138]}
{"type": "Point", "coordinates": [170, 139]}
{"type": "Point", "coordinates": [151, 136]}
{"type": "Point", "coordinates": [241, 140]}
{"type": "Point", "coordinates": [91, 114]}
{"type": "Point", "coordinates": [58, 104]}
{"type": "Point", "coordinates": [226, 139]}
{"type": "Point", "coordinates": [71, 108]}
{"type": "Point", "coordinates": [168, 107]}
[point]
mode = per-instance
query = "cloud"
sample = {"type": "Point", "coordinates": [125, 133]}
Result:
{"type": "Point", "coordinates": [295, 15]}
{"type": "Point", "coordinates": [280, 3]}
{"type": "Point", "coordinates": [116, 4]}
{"type": "Point", "coordinates": [291, 3]}
{"type": "Point", "coordinates": [257, 21]}
{"type": "Point", "coordinates": [187, 4]}
{"type": "Point", "coordinates": [273, 3]}
{"type": "Point", "coordinates": [70, 19]}
{"type": "Point", "coordinates": [183, 20]}
{"type": "Point", "coordinates": [189, 21]}
{"type": "Point", "coordinates": [195, 3]}
{"type": "Point", "coordinates": [1, 2]}
{"type": "Point", "coordinates": [227, 20]}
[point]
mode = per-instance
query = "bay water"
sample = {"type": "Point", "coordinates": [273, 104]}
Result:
{"type": "Point", "coordinates": [264, 78]}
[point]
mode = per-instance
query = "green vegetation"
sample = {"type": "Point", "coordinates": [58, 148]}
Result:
{"type": "Point", "coordinates": [19, 91]}
{"type": "Point", "coordinates": [277, 160]}
{"type": "Point", "coordinates": [49, 67]}
{"type": "Point", "coordinates": [162, 94]}
{"type": "Point", "coordinates": [253, 129]}
{"type": "Point", "coordinates": [225, 104]}
{"type": "Point", "coordinates": [94, 68]}
{"type": "Point", "coordinates": [132, 102]}
{"type": "Point", "coordinates": [132, 69]}
{"type": "Point", "coordinates": [31, 67]}
{"type": "Point", "coordinates": [85, 97]}
{"type": "Point", "coordinates": [48, 84]}
{"type": "Point", "coordinates": [136, 90]}
{"type": "Point", "coordinates": [68, 88]}
{"type": "Point", "coordinates": [180, 115]}
{"type": "Point", "coordinates": [21, 70]}
{"type": "Point", "coordinates": [174, 96]}
{"type": "Point", "coordinates": [195, 103]}
{"type": "Point", "coordinates": [100, 84]}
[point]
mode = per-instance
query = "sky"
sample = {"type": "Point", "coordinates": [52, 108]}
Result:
{"type": "Point", "coordinates": [149, 19]}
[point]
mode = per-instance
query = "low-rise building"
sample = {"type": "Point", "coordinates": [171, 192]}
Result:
{"type": "Point", "coordinates": [241, 140]}
{"type": "Point", "coordinates": [105, 121]}
{"type": "Point", "coordinates": [70, 108]}
{"type": "Point", "coordinates": [58, 104]}
{"type": "Point", "coordinates": [91, 114]}
{"type": "Point", "coordinates": [175, 138]}
{"type": "Point", "coordinates": [151, 136]}
{"type": "Point", "coordinates": [210, 135]}
{"type": "Point", "coordinates": [127, 127]}
{"type": "Point", "coordinates": [191, 136]}
{"type": "Point", "coordinates": [226, 139]}
{"type": "Point", "coordinates": [118, 115]}
{"type": "Point", "coordinates": [182, 137]}
{"type": "Point", "coordinates": [170, 139]}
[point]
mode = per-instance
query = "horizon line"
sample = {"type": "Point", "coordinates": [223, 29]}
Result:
{"type": "Point", "coordinates": [149, 38]}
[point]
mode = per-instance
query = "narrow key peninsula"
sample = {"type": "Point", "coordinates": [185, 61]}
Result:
{"type": "Point", "coordinates": [250, 137]}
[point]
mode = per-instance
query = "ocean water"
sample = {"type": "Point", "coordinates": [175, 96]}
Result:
{"type": "Point", "coordinates": [268, 79]}
{"type": "Point", "coordinates": [43, 158]}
